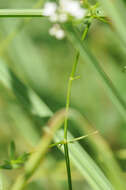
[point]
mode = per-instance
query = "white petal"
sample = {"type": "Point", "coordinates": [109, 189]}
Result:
{"type": "Point", "coordinates": [80, 13]}
{"type": "Point", "coordinates": [60, 34]}
{"type": "Point", "coordinates": [49, 8]}
{"type": "Point", "coordinates": [73, 8]}
{"type": "Point", "coordinates": [57, 31]}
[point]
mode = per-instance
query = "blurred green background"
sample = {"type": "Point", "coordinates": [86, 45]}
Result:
{"type": "Point", "coordinates": [34, 71]}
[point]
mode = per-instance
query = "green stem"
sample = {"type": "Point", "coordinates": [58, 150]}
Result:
{"type": "Point", "coordinates": [82, 137]}
{"type": "Point", "coordinates": [71, 78]}
{"type": "Point", "coordinates": [66, 151]}
{"type": "Point", "coordinates": [20, 13]}
{"type": "Point", "coordinates": [72, 140]}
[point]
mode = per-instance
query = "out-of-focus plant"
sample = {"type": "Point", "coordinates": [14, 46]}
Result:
{"type": "Point", "coordinates": [14, 161]}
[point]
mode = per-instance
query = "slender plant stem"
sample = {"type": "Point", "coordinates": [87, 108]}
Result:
{"type": "Point", "coordinates": [82, 137]}
{"type": "Point", "coordinates": [66, 151]}
{"type": "Point", "coordinates": [20, 13]}
{"type": "Point", "coordinates": [72, 140]}
{"type": "Point", "coordinates": [72, 77]}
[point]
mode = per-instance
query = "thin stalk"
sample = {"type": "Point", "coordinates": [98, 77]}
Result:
{"type": "Point", "coordinates": [71, 78]}
{"type": "Point", "coordinates": [72, 140]}
{"type": "Point", "coordinates": [82, 137]}
{"type": "Point", "coordinates": [20, 13]}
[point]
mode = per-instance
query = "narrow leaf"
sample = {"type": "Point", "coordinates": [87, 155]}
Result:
{"type": "Point", "coordinates": [86, 165]}
{"type": "Point", "coordinates": [12, 149]}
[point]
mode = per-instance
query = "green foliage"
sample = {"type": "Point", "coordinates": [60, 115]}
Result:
{"type": "Point", "coordinates": [86, 165]}
{"type": "Point", "coordinates": [34, 68]}
{"type": "Point", "coordinates": [12, 150]}
{"type": "Point", "coordinates": [14, 162]}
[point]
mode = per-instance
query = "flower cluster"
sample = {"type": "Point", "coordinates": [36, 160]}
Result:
{"type": "Point", "coordinates": [60, 13]}
{"type": "Point", "coordinates": [57, 31]}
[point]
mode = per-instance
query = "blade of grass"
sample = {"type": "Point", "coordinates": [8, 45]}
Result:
{"type": "Point", "coordinates": [30, 100]}
{"type": "Point", "coordinates": [89, 58]}
{"type": "Point", "coordinates": [80, 158]}
{"type": "Point", "coordinates": [24, 124]}
{"type": "Point", "coordinates": [86, 165]}
{"type": "Point", "coordinates": [116, 12]}
{"type": "Point", "coordinates": [37, 106]}
{"type": "Point", "coordinates": [101, 148]}
{"type": "Point", "coordinates": [40, 151]}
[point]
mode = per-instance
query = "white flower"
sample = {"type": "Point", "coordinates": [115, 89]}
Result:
{"type": "Point", "coordinates": [57, 31]}
{"type": "Point", "coordinates": [72, 8]}
{"type": "Point", "coordinates": [59, 13]}
{"type": "Point", "coordinates": [49, 9]}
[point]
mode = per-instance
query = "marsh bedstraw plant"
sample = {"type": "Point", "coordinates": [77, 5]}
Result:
{"type": "Point", "coordinates": [76, 12]}
{"type": "Point", "coordinates": [14, 161]}
{"type": "Point", "coordinates": [60, 14]}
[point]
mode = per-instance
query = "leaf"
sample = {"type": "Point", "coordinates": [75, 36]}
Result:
{"type": "Point", "coordinates": [12, 150]}
{"type": "Point", "coordinates": [116, 11]}
{"type": "Point", "coordinates": [25, 95]}
{"type": "Point", "coordinates": [89, 58]}
{"type": "Point", "coordinates": [100, 147]}
{"type": "Point", "coordinates": [24, 157]}
{"type": "Point", "coordinates": [6, 165]}
{"type": "Point", "coordinates": [84, 163]}
{"type": "Point", "coordinates": [27, 100]}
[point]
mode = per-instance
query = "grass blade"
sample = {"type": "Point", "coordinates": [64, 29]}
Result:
{"type": "Point", "coordinates": [100, 147]}
{"type": "Point", "coordinates": [116, 12]}
{"type": "Point", "coordinates": [89, 58]}
{"type": "Point", "coordinates": [86, 165]}
{"type": "Point", "coordinates": [40, 151]}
